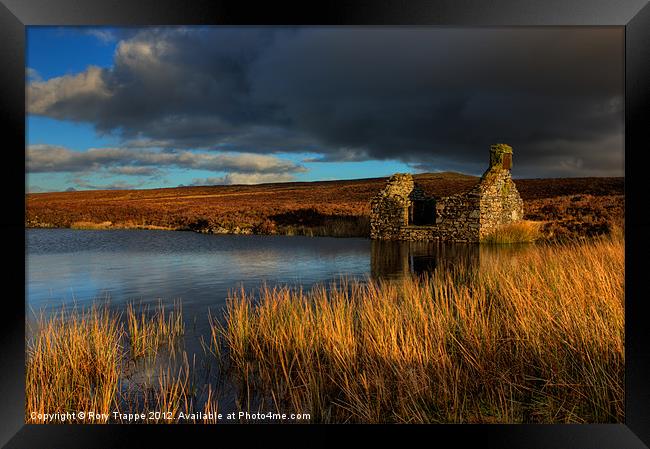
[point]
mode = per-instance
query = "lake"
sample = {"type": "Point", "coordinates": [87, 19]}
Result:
{"type": "Point", "coordinates": [70, 268]}
{"type": "Point", "coordinates": [66, 266]}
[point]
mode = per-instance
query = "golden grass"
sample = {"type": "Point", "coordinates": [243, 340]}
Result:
{"type": "Point", "coordinates": [524, 231]}
{"type": "Point", "coordinates": [91, 225]}
{"type": "Point", "coordinates": [78, 361]}
{"type": "Point", "coordinates": [538, 337]}
{"type": "Point", "coordinates": [170, 394]}
{"type": "Point", "coordinates": [148, 331]}
{"type": "Point", "coordinates": [74, 363]}
{"type": "Point", "coordinates": [110, 225]}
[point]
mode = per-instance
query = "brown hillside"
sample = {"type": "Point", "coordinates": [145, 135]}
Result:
{"type": "Point", "coordinates": [574, 205]}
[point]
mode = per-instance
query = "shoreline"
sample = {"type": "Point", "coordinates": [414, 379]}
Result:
{"type": "Point", "coordinates": [242, 232]}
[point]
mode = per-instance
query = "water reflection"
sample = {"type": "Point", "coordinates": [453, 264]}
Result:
{"type": "Point", "coordinates": [393, 260]}
{"type": "Point", "coordinates": [71, 266]}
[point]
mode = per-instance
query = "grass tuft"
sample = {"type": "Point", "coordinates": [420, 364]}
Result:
{"type": "Point", "coordinates": [148, 332]}
{"type": "Point", "coordinates": [523, 231]}
{"type": "Point", "coordinates": [74, 363]}
{"type": "Point", "coordinates": [79, 360]}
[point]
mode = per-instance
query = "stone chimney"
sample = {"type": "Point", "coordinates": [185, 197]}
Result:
{"type": "Point", "coordinates": [500, 156]}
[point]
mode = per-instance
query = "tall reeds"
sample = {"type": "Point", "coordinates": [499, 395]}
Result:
{"type": "Point", "coordinates": [150, 330]}
{"type": "Point", "coordinates": [81, 361]}
{"type": "Point", "coordinates": [534, 337]}
{"type": "Point", "coordinates": [74, 362]}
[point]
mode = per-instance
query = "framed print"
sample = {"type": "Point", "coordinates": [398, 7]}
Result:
{"type": "Point", "coordinates": [360, 213]}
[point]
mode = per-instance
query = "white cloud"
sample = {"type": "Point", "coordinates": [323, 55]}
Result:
{"type": "Point", "coordinates": [49, 158]}
{"type": "Point", "coordinates": [104, 36]}
{"type": "Point", "coordinates": [85, 88]}
{"type": "Point", "coordinates": [31, 188]}
{"type": "Point", "coordinates": [244, 178]}
{"type": "Point", "coordinates": [117, 185]}
{"type": "Point", "coordinates": [32, 75]}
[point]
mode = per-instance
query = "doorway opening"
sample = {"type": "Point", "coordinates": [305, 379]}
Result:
{"type": "Point", "coordinates": [422, 213]}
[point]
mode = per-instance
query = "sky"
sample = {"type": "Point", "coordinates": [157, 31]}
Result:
{"type": "Point", "coordinates": [120, 108]}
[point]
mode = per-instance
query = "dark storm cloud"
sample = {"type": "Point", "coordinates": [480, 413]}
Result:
{"type": "Point", "coordinates": [432, 97]}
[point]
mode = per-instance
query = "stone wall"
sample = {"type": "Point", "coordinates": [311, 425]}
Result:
{"type": "Point", "coordinates": [389, 208]}
{"type": "Point", "coordinates": [457, 217]}
{"type": "Point", "coordinates": [500, 201]}
{"type": "Point", "coordinates": [466, 217]}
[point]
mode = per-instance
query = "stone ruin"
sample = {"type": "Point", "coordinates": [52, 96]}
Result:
{"type": "Point", "coordinates": [402, 210]}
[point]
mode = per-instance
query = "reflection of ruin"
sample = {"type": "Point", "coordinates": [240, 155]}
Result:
{"type": "Point", "coordinates": [402, 211]}
{"type": "Point", "coordinates": [396, 259]}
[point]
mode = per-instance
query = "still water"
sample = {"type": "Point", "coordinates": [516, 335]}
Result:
{"type": "Point", "coordinates": [67, 266]}
{"type": "Point", "coordinates": [75, 268]}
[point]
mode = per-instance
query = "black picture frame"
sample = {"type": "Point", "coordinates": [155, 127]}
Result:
{"type": "Point", "coordinates": [633, 15]}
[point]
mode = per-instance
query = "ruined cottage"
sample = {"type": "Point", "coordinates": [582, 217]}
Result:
{"type": "Point", "coordinates": [402, 211]}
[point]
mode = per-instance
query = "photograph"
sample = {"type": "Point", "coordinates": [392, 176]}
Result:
{"type": "Point", "coordinates": [325, 224]}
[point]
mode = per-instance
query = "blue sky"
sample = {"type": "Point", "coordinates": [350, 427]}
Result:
{"type": "Point", "coordinates": [161, 107]}
{"type": "Point", "coordinates": [57, 51]}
